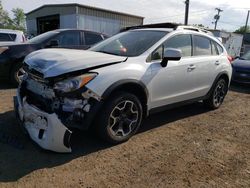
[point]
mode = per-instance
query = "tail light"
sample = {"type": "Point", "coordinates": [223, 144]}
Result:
{"type": "Point", "coordinates": [230, 59]}
{"type": "Point", "coordinates": [23, 38]}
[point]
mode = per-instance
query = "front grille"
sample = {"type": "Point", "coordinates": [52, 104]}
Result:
{"type": "Point", "coordinates": [34, 74]}
{"type": "Point", "coordinates": [36, 99]}
{"type": "Point", "coordinates": [241, 79]}
{"type": "Point", "coordinates": [243, 71]}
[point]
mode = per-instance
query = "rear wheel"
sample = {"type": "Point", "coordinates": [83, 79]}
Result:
{"type": "Point", "coordinates": [16, 74]}
{"type": "Point", "coordinates": [218, 94]}
{"type": "Point", "coordinates": [121, 118]}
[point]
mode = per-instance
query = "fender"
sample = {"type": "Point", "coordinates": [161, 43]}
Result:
{"type": "Point", "coordinates": [121, 83]}
{"type": "Point", "coordinates": [215, 81]}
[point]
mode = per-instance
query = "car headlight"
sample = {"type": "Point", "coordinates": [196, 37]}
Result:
{"type": "Point", "coordinates": [74, 83]}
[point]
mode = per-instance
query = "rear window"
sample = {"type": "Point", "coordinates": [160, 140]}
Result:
{"type": "Point", "coordinates": [92, 38]}
{"type": "Point", "coordinates": [7, 37]}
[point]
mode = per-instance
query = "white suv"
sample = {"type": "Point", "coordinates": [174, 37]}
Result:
{"type": "Point", "coordinates": [11, 36]}
{"type": "Point", "coordinates": [115, 84]}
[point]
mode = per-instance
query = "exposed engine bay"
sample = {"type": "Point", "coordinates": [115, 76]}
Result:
{"type": "Point", "coordinates": [48, 115]}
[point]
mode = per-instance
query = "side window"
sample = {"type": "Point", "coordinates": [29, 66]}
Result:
{"type": "Point", "coordinates": [5, 37]}
{"type": "Point", "coordinates": [69, 38]}
{"type": "Point", "coordinates": [202, 46]}
{"type": "Point", "coordinates": [13, 37]}
{"type": "Point", "coordinates": [214, 48]}
{"type": "Point", "coordinates": [92, 38]}
{"type": "Point", "coordinates": [219, 48]}
{"type": "Point", "coordinates": [181, 42]}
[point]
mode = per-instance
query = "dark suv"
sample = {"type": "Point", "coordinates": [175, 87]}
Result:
{"type": "Point", "coordinates": [12, 55]}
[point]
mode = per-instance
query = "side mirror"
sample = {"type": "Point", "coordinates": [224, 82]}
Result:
{"type": "Point", "coordinates": [53, 43]}
{"type": "Point", "coordinates": [170, 54]}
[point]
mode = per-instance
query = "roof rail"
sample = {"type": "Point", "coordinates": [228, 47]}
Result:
{"type": "Point", "coordinates": [158, 25]}
{"type": "Point", "coordinates": [173, 26]}
{"type": "Point", "coordinates": [192, 28]}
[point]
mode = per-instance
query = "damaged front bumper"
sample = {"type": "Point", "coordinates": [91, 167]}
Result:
{"type": "Point", "coordinates": [45, 129]}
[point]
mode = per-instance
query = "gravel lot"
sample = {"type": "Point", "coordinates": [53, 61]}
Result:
{"type": "Point", "coordinates": [184, 147]}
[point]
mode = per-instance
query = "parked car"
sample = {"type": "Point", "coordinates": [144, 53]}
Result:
{"type": "Point", "coordinates": [11, 36]}
{"type": "Point", "coordinates": [112, 86]}
{"type": "Point", "coordinates": [241, 69]}
{"type": "Point", "coordinates": [12, 55]}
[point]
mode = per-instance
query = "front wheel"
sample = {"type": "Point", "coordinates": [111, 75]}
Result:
{"type": "Point", "coordinates": [218, 94]}
{"type": "Point", "coordinates": [120, 118]}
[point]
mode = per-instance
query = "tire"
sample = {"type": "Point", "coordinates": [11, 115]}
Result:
{"type": "Point", "coordinates": [218, 94]}
{"type": "Point", "coordinates": [120, 118]}
{"type": "Point", "coordinates": [15, 73]}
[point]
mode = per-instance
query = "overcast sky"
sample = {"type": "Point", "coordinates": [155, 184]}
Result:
{"type": "Point", "coordinates": [201, 11]}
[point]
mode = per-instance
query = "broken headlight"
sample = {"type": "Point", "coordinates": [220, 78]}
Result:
{"type": "Point", "coordinates": [74, 83]}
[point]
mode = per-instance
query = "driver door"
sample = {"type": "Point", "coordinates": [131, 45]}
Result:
{"type": "Point", "coordinates": [174, 83]}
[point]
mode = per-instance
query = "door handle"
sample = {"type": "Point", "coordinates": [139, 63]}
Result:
{"type": "Point", "coordinates": [217, 62]}
{"type": "Point", "coordinates": [191, 67]}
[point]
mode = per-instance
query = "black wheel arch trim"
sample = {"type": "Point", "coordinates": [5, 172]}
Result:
{"type": "Point", "coordinates": [121, 83]}
{"type": "Point", "coordinates": [124, 82]}
{"type": "Point", "coordinates": [224, 73]}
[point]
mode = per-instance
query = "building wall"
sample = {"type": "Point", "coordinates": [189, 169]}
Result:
{"type": "Point", "coordinates": [98, 24]}
{"type": "Point", "coordinates": [81, 17]}
{"type": "Point", "coordinates": [68, 21]}
{"type": "Point", "coordinates": [103, 21]}
{"type": "Point", "coordinates": [31, 27]}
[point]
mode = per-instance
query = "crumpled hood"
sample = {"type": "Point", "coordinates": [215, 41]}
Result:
{"type": "Point", "coordinates": [54, 62]}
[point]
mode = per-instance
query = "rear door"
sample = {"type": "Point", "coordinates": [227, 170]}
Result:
{"type": "Point", "coordinates": [205, 59]}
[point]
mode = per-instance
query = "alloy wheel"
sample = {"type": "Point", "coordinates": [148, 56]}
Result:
{"type": "Point", "coordinates": [123, 119]}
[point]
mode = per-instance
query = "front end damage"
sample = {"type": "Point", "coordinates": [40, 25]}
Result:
{"type": "Point", "coordinates": [48, 116]}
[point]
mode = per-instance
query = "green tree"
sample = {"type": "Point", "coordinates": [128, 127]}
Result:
{"type": "Point", "coordinates": [19, 19]}
{"type": "Point", "coordinates": [5, 21]}
{"type": "Point", "coordinates": [241, 30]}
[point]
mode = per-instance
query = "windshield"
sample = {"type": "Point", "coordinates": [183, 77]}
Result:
{"type": "Point", "coordinates": [246, 56]}
{"type": "Point", "coordinates": [42, 37]}
{"type": "Point", "coordinates": [130, 43]}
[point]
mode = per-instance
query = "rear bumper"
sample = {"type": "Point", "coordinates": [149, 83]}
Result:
{"type": "Point", "coordinates": [45, 129]}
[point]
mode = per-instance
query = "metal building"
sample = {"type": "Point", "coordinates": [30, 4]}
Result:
{"type": "Point", "coordinates": [61, 16]}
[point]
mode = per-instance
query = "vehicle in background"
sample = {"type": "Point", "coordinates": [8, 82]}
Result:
{"type": "Point", "coordinates": [11, 36]}
{"type": "Point", "coordinates": [241, 69]}
{"type": "Point", "coordinates": [115, 84]}
{"type": "Point", "coordinates": [12, 55]}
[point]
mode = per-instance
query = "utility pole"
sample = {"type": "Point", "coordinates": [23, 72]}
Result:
{"type": "Point", "coordinates": [247, 21]}
{"type": "Point", "coordinates": [186, 12]}
{"type": "Point", "coordinates": [217, 17]}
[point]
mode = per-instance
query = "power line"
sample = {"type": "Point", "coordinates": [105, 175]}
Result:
{"type": "Point", "coordinates": [180, 15]}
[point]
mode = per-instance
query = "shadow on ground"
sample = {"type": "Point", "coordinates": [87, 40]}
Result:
{"type": "Point", "coordinates": [4, 84]}
{"type": "Point", "coordinates": [16, 163]}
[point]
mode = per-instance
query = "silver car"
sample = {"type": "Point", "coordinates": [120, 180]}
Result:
{"type": "Point", "coordinates": [115, 84]}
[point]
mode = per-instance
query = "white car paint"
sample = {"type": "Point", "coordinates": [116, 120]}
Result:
{"type": "Point", "coordinates": [188, 78]}
{"type": "Point", "coordinates": [54, 62]}
{"type": "Point", "coordinates": [19, 36]}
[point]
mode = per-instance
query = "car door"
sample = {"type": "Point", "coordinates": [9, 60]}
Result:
{"type": "Point", "coordinates": [68, 39]}
{"type": "Point", "coordinates": [173, 83]}
{"type": "Point", "coordinates": [205, 59]}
